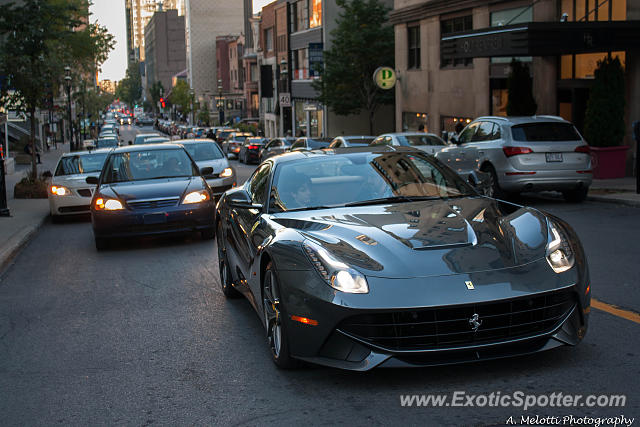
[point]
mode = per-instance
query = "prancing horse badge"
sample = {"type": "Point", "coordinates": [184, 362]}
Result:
{"type": "Point", "coordinates": [469, 284]}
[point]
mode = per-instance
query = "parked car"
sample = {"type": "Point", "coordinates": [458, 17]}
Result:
{"type": "Point", "coordinates": [149, 190]}
{"type": "Point", "coordinates": [351, 141]}
{"type": "Point", "coordinates": [142, 137]}
{"type": "Point", "coordinates": [233, 142]}
{"type": "Point", "coordinates": [69, 193]}
{"type": "Point", "coordinates": [306, 144]}
{"type": "Point", "coordinates": [156, 140]}
{"type": "Point", "coordinates": [207, 153]}
{"type": "Point", "coordinates": [145, 121]}
{"type": "Point", "coordinates": [524, 154]}
{"type": "Point", "coordinates": [276, 146]}
{"type": "Point", "coordinates": [250, 149]}
{"type": "Point", "coordinates": [107, 142]}
{"type": "Point", "coordinates": [378, 256]}
{"type": "Point", "coordinates": [427, 142]}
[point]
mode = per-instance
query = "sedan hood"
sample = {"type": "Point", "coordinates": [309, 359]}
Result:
{"type": "Point", "coordinates": [427, 238]}
{"type": "Point", "coordinates": [74, 181]}
{"type": "Point", "coordinates": [151, 189]}
{"type": "Point", "coordinates": [218, 165]}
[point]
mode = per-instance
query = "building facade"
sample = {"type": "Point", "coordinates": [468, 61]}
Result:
{"type": "Point", "coordinates": [453, 58]}
{"type": "Point", "coordinates": [206, 20]}
{"type": "Point", "coordinates": [165, 53]}
{"type": "Point", "coordinates": [230, 96]}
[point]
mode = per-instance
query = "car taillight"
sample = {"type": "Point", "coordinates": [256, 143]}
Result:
{"type": "Point", "coordinates": [514, 151]}
{"type": "Point", "coordinates": [252, 147]}
{"type": "Point", "coordinates": [583, 149]}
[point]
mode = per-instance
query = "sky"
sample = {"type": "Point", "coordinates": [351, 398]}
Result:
{"type": "Point", "coordinates": [110, 13]}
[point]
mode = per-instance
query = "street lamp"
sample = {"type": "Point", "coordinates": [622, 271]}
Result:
{"type": "Point", "coordinates": [191, 98]}
{"type": "Point", "coordinates": [220, 104]}
{"type": "Point", "coordinates": [283, 89]}
{"type": "Point", "coordinates": [67, 79]}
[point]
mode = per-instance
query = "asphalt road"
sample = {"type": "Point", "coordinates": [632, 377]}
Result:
{"type": "Point", "coordinates": [141, 334]}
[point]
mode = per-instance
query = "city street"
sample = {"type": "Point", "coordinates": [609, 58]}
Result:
{"type": "Point", "coordinates": [141, 334]}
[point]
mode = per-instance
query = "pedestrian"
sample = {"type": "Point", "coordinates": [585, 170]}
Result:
{"type": "Point", "coordinates": [27, 149]}
{"type": "Point", "coordinates": [422, 128]}
{"type": "Point", "coordinates": [459, 127]}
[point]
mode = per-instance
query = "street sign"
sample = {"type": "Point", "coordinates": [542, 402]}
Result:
{"type": "Point", "coordinates": [310, 107]}
{"type": "Point", "coordinates": [285, 99]}
{"type": "Point", "coordinates": [385, 77]}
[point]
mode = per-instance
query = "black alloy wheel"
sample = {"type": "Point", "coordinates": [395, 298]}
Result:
{"type": "Point", "coordinates": [273, 311]}
{"type": "Point", "coordinates": [225, 272]}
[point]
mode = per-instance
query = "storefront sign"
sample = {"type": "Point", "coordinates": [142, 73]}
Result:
{"type": "Point", "coordinates": [310, 107]}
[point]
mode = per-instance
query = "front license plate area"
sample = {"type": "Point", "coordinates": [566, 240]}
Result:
{"type": "Point", "coordinates": [553, 157]}
{"type": "Point", "coordinates": [155, 218]}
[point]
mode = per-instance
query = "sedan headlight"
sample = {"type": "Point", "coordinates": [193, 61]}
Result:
{"type": "Point", "coordinates": [226, 173]}
{"type": "Point", "coordinates": [58, 190]}
{"type": "Point", "coordinates": [337, 274]}
{"type": "Point", "coordinates": [559, 254]}
{"type": "Point", "coordinates": [196, 197]}
{"type": "Point", "coordinates": [108, 204]}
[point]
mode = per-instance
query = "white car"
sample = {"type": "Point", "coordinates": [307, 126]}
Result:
{"type": "Point", "coordinates": [69, 193]}
{"type": "Point", "coordinates": [207, 153]}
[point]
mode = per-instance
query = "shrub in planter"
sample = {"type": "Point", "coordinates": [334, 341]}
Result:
{"type": "Point", "coordinates": [604, 126]}
{"type": "Point", "coordinates": [27, 188]}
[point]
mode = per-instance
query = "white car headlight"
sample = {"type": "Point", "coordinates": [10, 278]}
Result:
{"type": "Point", "coordinates": [559, 253]}
{"type": "Point", "coordinates": [196, 197]}
{"type": "Point", "coordinates": [226, 173]}
{"type": "Point", "coordinates": [59, 190]}
{"type": "Point", "coordinates": [337, 274]}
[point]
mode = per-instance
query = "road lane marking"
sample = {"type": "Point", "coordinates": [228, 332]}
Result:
{"type": "Point", "coordinates": [616, 311]}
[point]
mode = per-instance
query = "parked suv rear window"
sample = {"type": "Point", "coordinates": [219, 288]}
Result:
{"type": "Point", "coordinates": [545, 132]}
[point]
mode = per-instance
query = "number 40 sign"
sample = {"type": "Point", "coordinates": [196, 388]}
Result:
{"type": "Point", "coordinates": [385, 77]}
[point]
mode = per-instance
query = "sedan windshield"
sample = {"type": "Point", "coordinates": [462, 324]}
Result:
{"type": "Point", "coordinates": [204, 151]}
{"type": "Point", "coordinates": [363, 178]}
{"type": "Point", "coordinates": [88, 163]}
{"type": "Point", "coordinates": [106, 142]}
{"type": "Point", "coordinates": [148, 164]}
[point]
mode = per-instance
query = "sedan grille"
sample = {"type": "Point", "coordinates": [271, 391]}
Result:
{"type": "Point", "coordinates": [84, 192]}
{"type": "Point", "coordinates": [451, 327]}
{"type": "Point", "coordinates": [151, 204]}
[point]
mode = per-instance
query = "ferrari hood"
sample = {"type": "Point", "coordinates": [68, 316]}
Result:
{"type": "Point", "coordinates": [427, 238]}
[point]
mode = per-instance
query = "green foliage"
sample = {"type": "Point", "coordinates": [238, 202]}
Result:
{"type": "Point", "coordinates": [203, 115]}
{"type": "Point", "coordinates": [361, 42]}
{"type": "Point", "coordinates": [96, 102]}
{"type": "Point", "coordinates": [520, 101]}
{"type": "Point", "coordinates": [129, 89]}
{"type": "Point", "coordinates": [604, 119]}
{"type": "Point", "coordinates": [181, 97]}
{"type": "Point", "coordinates": [245, 127]}
{"type": "Point", "coordinates": [38, 38]}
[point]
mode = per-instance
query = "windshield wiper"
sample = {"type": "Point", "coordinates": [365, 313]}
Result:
{"type": "Point", "coordinates": [392, 199]}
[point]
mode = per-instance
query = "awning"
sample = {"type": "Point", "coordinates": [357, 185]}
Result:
{"type": "Point", "coordinates": [542, 39]}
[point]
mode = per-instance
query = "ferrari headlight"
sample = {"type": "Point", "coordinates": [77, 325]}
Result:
{"type": "Point", "coordinates": [337, 274]}
{"type": "Point", "coordinates": [108, 204]}
{"type": "Point", "coordinates": [226, 173]}
{"type": "Point", "coordinates": [196, 197]}
{"type": "Point", "coordinates": [59, 190]}
{"type": "Point", "coordinates": [559, 254]}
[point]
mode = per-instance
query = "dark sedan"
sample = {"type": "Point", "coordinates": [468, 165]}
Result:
{"type": "Point", "coordinates": [379, 256]}
{"type": "Point", "coordinates": [150, 189]}
{"type": "Point", "coordinates": [250, 150]}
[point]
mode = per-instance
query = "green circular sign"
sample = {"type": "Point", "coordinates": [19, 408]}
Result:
{"type": "Point", "coordinates": [385, 77]}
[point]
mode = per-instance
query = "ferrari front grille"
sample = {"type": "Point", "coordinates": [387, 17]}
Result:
{"type": "Point", "coordinates": [463, 325]}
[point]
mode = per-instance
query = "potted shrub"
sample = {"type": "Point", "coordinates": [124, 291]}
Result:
{"type": "Point", "coordinates": [604, 126]}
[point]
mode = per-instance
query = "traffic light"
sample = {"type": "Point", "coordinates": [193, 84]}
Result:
{"type": "Point", "coordinates": [162, 103]}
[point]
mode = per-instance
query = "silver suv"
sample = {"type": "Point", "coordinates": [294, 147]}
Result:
{"type": "Point", "coordinates": [524, 154]}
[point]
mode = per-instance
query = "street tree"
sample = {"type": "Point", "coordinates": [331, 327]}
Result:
{"type": "Point", "coordinates": [38, 38]}
{"type": "Point", "coordinates": [129, 89]}
{"type": "Point", "coordinates": [156, 91]}
{"type": "Point", "coordinates": [604, 119]}
{"type": "Point", "coordinates": [181, 97]}
{"type": "Point", "coordinates": [362, 41]}
{"type": "Point", "coordinates": [520, 101]}
{"type": "Point", "coordinates": [204, 114]}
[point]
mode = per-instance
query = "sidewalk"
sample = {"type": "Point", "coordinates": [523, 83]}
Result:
{"type": "Point", "coordinates": [27, 215]}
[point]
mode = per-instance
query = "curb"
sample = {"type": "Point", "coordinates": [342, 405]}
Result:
{"type": "Point", "coordinates": [16, 243]}
{"type": "Point", "coordinates": [615, 200]}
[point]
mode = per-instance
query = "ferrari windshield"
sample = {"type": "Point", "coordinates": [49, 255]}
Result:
{"type": "Point", "coordinates": [148, 164]}
{"type": "Point", "coordinates": [362, 178]}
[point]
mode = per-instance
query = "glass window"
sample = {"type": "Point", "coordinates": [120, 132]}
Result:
{"type": "Point", "coordinates": [258, 184]}
{"type": "Point", "coordinates": [516, 15]}
{"type": "Point", "coordinates": [70, 165]}
{"type": "Point", "coordinates": [545, 132]}
{"type": "Point", "coordinates": [315, 18]}
{"type": "Point", "coordinates": [204, 151]}
{"type": "Point", "coordinates": [302, 16]}
{"type": "Point", "coordinates": [414, 47]}
{"type": "Point", "coordinates": [454, 25]}
{"type": "Point", "coordinates": [484, 132]}
{"type": "Point", "coordinates": [268, 39]}
{"type": "Point", "coordinates": [149, 164]}
{"type": "Point", "coordinates": [413, 140]}
{"type": "Point", "coordinates": [496, 133]}
{"type": "Point", "coordinates": [467, 133]}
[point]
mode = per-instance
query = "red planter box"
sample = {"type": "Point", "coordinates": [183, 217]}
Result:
{"type": "Point", "coordinates": [609, 162]}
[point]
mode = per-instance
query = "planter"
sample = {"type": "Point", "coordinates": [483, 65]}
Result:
{"type": "Point", "coordinates": [609, 162]}
{"type": "Point", "coordinates": [27, 189]}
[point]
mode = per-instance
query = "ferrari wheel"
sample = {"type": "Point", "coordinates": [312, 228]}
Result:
{"type": "Point", "coordinates": [225, 272]}
{"type": "Point", "coordinates": [273, 319]}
